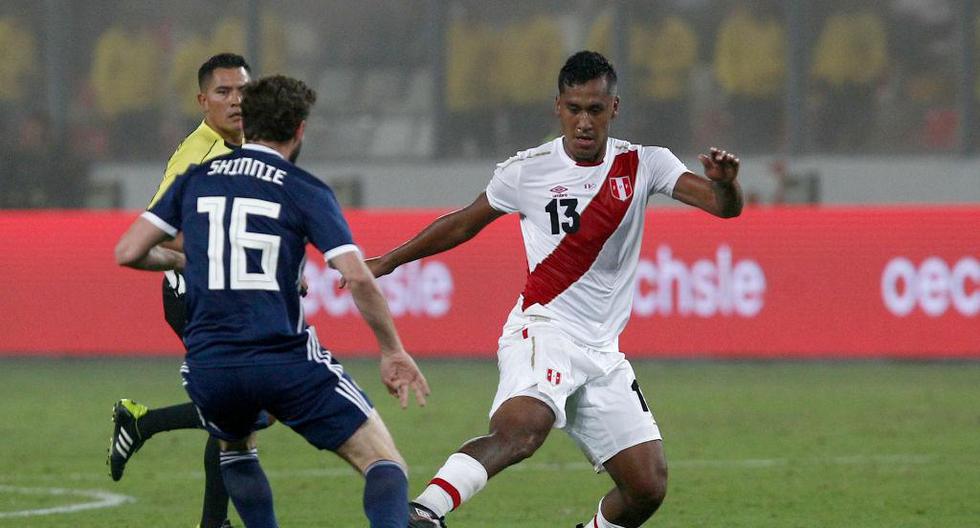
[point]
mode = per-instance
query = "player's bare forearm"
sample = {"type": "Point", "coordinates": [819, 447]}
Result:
{"type": "Point", "coordinates": [441, 235]}
{"type": "Point", "coordinates": [159, 259]}
{"type": "Point", "coordinates": [718, 191]}
{"type": "Point", "coordinates": [137, 248]}
{"type": "Point", "coordinates": [728, 197]}
{"type": "Point", "coordinates": [374, 309]}
{"type": "Point", "coordinates": [176, 244]}
{"type": "Point", "coordinates": [445, 233]}
{"type": "Point", "coordinates": [356, 276]}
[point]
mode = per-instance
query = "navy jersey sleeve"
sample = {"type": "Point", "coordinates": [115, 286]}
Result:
{"type": "Point", "coordinates": [325, 224]}
{"type": "Point", "coordinates": [166, 212]}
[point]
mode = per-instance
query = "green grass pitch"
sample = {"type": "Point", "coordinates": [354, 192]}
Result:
{"type": "Point", "coordinates": [750, 444]}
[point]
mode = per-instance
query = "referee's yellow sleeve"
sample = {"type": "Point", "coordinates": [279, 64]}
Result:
{"type": "Point", "coordinates": [200, 146]}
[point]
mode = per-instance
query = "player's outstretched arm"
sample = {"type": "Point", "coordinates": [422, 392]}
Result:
{"type": "Point", "coordinates": [446, 232]}
{"type": "Point", "coordinates": [399, 372]}
{"type": "Point", "coordinates": [718, 191]}
{"type": "Point", "coordinates": [137, 248]}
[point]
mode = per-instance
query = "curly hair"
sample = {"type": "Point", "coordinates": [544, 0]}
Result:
{"type": "Point", "coordinates": [584, 66]}
{"type": "Point", "coordinates": [221, 60]}
{"type": "Point", "coordinates": [274, 106]}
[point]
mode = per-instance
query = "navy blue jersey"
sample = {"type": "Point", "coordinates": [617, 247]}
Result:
{"type": "Point", "coordinates": [247, 217]}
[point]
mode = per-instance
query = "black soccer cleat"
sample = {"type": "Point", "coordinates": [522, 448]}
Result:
{"type": "Point", "coordinates": [225, 524]}
{"type": "Point", "coordinates": [421, 517]}
{"type": "Point", "coordinates": [126, 437]}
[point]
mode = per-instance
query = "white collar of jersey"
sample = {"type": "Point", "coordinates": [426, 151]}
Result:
{"type": "Point", "coordinates": [262, 148]}
{"type": "Point", "coordinates": [560, 147]}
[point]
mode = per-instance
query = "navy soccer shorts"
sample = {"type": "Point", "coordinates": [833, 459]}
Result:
{"type": "Point", "coordinates": [314, 397]}
{"type": "Point", "coordinates": [175, 312]}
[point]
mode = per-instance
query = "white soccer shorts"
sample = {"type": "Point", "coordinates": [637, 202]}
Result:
{"type": "Point", "coordinates": [594, 395]}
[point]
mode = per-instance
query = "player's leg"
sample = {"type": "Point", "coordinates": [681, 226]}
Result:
{"type": "Point", "coordinates": [536, 377]}
{"type": "Point", "coordinates": [640, 475]}
{"type": "Point", "coordinates": [611, 422]}
{"type": "Point", "coordinates": [517, 430]}
{"type": "Point", "coordinates": [371, 450]}
{"type": "Point", "coordinates": [246, 483]}
{"type": "Point", "coordinates": [136, 423]}
{"type": "Point", "coordinates": [323, 404]}
{"type": "Point", "coordinates": [181, 415]}
{"type": "Point", "coordinates": [230, 412]}
{"type": "Point", "coordinates": [214, 510]}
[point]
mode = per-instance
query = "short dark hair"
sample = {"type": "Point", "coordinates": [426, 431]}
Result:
{"type": "Point", "coordinates": [273, 107]}
{"type": "Point", "coordinates": [221, 60]}
{"type": "Point", "coordinates": [584, 66]}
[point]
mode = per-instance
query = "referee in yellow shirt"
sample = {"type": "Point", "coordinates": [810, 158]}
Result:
{"type": "Point", "coordinates": [220, 80]}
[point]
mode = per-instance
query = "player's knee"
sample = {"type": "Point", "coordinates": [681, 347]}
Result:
{"type": "Point", "coordinates": [644, 503]}
{"type": "Point", "coordinates": [245, 444]}
{"type": "Point", "coordinates": [646, 497]}
{"type": "Point", "coordinates": [523, 444]}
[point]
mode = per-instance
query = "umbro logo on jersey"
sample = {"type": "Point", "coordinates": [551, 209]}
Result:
{"type": "Point", "coordinates": [558, 190]}
{"type": "Point", "coordinates": [621, 188]}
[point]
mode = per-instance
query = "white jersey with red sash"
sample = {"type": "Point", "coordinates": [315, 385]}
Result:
{"type": "Point", "coordinates": [582, 226]}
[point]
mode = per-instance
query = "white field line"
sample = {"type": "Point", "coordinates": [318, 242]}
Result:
{"type": "Point", "coordinates": [100, 499]}
{"type": "Point", "coordinates": [343, 472]}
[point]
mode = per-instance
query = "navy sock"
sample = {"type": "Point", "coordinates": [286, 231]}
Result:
{"type": "Point", "coordinates": [386, 495]}
{"type": "Point", "coordinates": [248, 488]}
{"type": "Point", "coordinates": [215, 509]}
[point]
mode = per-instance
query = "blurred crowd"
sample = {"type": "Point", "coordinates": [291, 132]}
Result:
{"type": "Point", "coordinates": [880, 77]}
{"type": "Point", "coordinates": [131, 99]}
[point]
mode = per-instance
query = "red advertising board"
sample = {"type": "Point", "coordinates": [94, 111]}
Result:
{"type": "Point", "coordinates": [783, 282]}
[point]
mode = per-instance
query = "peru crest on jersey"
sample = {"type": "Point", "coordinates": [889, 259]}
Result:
{"type": "Point", "coordinates": [621, 188]}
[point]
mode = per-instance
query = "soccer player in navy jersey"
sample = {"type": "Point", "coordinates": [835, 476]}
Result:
{"type": "Point", "coordinates": [246, 218]}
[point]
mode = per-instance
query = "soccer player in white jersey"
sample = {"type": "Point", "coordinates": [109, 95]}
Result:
{"type": "Point", "coordinates": [581, 199]}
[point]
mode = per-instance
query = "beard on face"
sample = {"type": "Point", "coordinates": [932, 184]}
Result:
{"type": "Point", "coordinates": [295, 154]}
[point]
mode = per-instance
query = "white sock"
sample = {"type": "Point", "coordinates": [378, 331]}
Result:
{"type": "Point", "coordinates": [460, 478]}
{"type": "Point", "coordinates": [598, 521]}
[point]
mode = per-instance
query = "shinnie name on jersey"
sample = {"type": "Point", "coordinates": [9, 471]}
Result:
{"type": "Point", "coordinates": [248, 167]}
